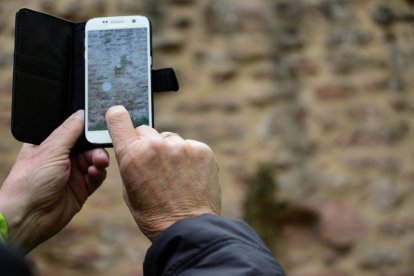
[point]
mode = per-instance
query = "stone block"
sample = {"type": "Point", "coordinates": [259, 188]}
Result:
{"type": "Point", "coordinates": [250, 47]}
{"type": "Point", "coordinates": [223, 72]}
{"type": "Point", "coordinates": [348, 36]}
{"type": "Point", "coordinates": [303, 67]}
{"type": "Point", "coordinates": [6, 59]}
{"type": "Point", "coordinates": [380, 161]}
{"type": "Point", "coordinates": [385, 194]}
{"type": "Point", "coordinates": [364, 111]}
{"type": "Point", "coordinates": [75, 10]}
{"type": "Point", "coordinates": [341, 224]}
{"type": "Point", "coordinates": [370, 133]}
{"type": "Point", "coordinates": [264, 71]}
{"type": "Point", "coordinates": [326, 118]}
{"type": "Point", "coordinates": [335, 92]}
{"type": "Point", "coordinates": [170, 41]}
{"type": "Point", "coordinates": [48, 6]}
{"type": "Point", "coordinates": [183, 22]}
{"type": "Point", "coordinates": [265, 97]}
{"type": "Point", "coordinates": [397, 228]}
{"type": "Point", "coordinates": [378, 257]}
{"type": "Point", "coordinates": [237, 16]}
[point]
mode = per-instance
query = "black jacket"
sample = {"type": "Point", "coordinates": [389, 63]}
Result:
{"type": "Point", "coordinates": [210, 245]}
{"type": "Point", "coordinates": [12, 263]}
{"type": "Point", "coordinates": [204, 245]}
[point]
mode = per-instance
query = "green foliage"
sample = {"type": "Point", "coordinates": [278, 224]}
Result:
{"type": "Point", "coordinates": [136, 121]}
{"type": "Point", "coordinates": [267, 214]}
{"type": "Point", "coordinates": [260, 208]}
{"type": "Point", "coordinates": [143, 120]}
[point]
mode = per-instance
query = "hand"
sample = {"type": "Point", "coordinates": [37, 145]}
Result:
{"type": "Point", "coordinates": [165, 178]}
{"type": "Point", "coordinates": [48, 185]}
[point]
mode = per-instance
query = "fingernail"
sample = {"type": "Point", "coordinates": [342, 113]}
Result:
{"type": "Point", "coordinates": [116, 108]}
{"type": "Point", "coordinates": [102, 153]}
{"type": "Point", "coordinates": [79, 114]}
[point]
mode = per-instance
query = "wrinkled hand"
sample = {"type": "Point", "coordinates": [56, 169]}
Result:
{"type": "Point", "coordinates": [48, 185]}
{"type": "Point", "coordinates": [165, 177]}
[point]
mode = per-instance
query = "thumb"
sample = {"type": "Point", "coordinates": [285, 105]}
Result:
{"type": "Point", "coordinates": [120, 128]}
{"type": "Point", "coordinates": [66, 135]}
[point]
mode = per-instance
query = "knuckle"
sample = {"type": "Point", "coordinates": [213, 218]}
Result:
{"type": "Point", "coordinates": [155, 144]}
{"type": "Point", "coordinates": [179, 146]}
{"type": "Point", "coordinates": [147, 151]}
{"type": "Point", "coordinates": [200, 148]}
{"type": "Point", "coordinates": [178, 149]}
{"type": "Point", "coordinates": [167, 134]}
{"type": "Point", "coordinates": [143, 129]}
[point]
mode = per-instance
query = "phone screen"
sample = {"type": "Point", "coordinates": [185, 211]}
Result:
{"type": "Point", "coordinates": [118, 75]}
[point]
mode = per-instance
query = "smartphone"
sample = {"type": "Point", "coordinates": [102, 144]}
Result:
{"type": "Point", "coordinates": [117, 72]}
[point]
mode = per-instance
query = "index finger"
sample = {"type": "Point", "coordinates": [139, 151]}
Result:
{"type": "Point", "coordinates": [120, 127]}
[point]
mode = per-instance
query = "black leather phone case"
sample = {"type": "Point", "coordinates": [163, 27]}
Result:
{"type": "Point", "coordinates": [49, 73]}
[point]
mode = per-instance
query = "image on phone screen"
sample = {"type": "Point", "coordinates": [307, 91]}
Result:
{"type": "Point", "coordinates": [118, 75]}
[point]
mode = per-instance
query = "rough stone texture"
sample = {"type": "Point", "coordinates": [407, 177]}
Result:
{"type": "Point", "coordinates": [341, 225]}
{"type": "Point", "coordinates": [321, 89]}
{"type": "Point", "coordinates": [385, 194]}
{"type": "Point", "coordinates": [378, 257]}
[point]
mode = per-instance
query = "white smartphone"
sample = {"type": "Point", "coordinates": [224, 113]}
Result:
{"type": "Point", "coordinates": [117, 72]}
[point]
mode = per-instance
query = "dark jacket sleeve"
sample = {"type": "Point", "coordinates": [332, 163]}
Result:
{"type": "Point", "coordinates": [210, 245]}
{"type": "Point", "coordinates": [12, 263]}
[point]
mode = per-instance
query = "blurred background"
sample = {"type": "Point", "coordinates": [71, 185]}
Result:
{"type": "Point", "coordinates": [308, 106]}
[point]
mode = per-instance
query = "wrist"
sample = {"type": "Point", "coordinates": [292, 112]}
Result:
{"type": "Point", "coordinates": [154, 227]}
{"type": "Point", "coordinates": [19, 232]}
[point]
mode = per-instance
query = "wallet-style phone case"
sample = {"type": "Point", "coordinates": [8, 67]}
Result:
{"type": "Point", "coordinates": [49, 75]}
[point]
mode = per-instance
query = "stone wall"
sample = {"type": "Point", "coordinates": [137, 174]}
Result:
{"type": "Point", "coordinates": [319, 91]}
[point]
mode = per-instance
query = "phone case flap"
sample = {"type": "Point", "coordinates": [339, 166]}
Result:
{"type": "Point", "coordinates": [43, 47]}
